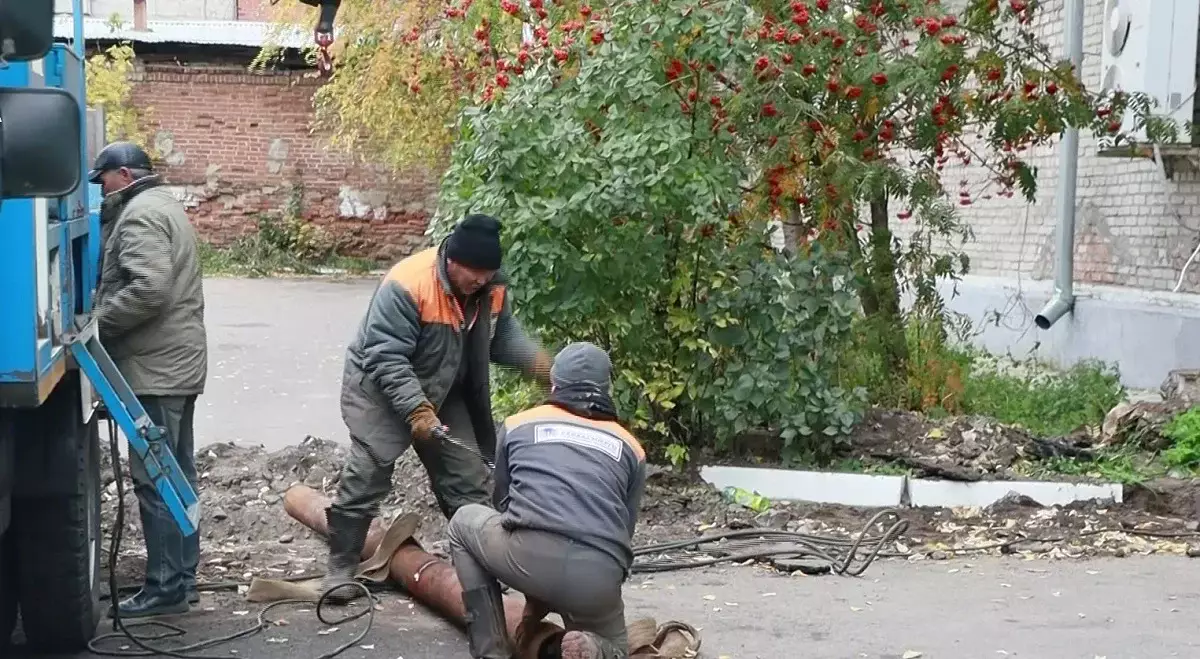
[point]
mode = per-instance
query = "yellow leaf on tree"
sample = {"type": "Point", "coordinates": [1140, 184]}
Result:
{"type": "Point", "coordinates": [872, 108]}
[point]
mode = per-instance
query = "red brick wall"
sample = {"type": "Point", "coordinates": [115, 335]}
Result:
{"type": "Point", "coordinates": [238, 144]}
{"type": "Point", "coordinates": [250, 10]}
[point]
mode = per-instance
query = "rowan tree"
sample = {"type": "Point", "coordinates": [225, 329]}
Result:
{"type": "Point", "coordinates": [406, 68]}
{"type": "Point", "coordinates": [638, 150]}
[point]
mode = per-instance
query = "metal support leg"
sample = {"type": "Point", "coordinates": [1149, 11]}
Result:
{"type": "Point", "coordinates": [145, 438]}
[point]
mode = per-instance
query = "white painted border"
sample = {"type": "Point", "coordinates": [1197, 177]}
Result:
{"type": "Point", "coordinates": [863, 490]}
{"type": "Point", "coordinates": [871, 491]}
{"type": "Point", "coordinates": [951, 494]}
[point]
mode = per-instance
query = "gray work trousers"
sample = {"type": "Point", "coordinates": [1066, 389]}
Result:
{"type": "Point", "coordinates": [379, 436]}
{"type": "Point", "coordinates": [171, 559]}
{"type": "Point", "coordinates": [580, 583]}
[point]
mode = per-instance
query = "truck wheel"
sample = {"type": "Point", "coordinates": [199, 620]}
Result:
{"type": "Point", "coordinates": [8, 592]}
{"type": "Point", "coordinates": [58, 524]}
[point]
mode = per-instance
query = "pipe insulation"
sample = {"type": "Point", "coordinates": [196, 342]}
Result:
{"type": "Point", "coordinates": [427, 578]}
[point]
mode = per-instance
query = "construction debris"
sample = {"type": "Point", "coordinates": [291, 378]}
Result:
{"type": "Point", "coordinates": [245, 531]}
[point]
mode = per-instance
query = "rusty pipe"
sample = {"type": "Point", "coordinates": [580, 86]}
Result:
{"type": "Point", "coordinates": [429, 579]}
{"type": "Point", "coordinates": [307, 506]}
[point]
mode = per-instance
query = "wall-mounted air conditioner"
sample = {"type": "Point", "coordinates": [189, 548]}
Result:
{"type": "Point", "coordinates": [1150, 46]}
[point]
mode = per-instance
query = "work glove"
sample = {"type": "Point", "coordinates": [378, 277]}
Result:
{"type": "Point", "coordinates": [422, 422]}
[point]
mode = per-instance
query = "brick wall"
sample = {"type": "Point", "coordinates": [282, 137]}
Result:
{"type": "Point", "coordinates": [1133, 228]}
{"type": "Point", "coordinates": [251, 10]}
{"type": "Point", "coordinates": [238, 145]}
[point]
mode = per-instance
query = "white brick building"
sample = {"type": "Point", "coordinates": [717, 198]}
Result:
{"type": "Point", "coordinates": [1134, 231]}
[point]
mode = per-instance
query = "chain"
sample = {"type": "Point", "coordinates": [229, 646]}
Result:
{"type": "Point", "coordinates": [443, 434]}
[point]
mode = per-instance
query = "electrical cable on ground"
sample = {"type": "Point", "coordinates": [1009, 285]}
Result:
{"type": "Point", "coordinates": [722, 547]}
{"type": "Point", "coordinates": [123, 631]}
{"type": "Point", "coordinates": [761, 544]}
{"type": "Point", "coordinates": [765, 543]}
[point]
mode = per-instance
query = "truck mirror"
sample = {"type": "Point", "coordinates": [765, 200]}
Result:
{"type": "Point", "coordinates": [26, 29]}
{"type": "Point", "coordinates": [40, 143]}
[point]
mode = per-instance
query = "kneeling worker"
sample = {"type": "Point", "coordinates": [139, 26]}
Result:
{"type": "Point", "coordinates": [568, 482]}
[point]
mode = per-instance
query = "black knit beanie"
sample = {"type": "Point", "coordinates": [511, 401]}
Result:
{"type": "Point", "coordinates": [475, 243]}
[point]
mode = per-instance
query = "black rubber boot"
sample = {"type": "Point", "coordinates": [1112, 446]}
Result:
{"type": "Point", "coordinates": [347, 533]}
{"type": "Point", "coordinates": [487, 633]}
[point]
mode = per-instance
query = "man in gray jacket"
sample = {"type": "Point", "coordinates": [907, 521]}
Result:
{"type": "Point", "coordinates": [419, 363]}
{"type": "Point", "coordinates": [569, 481]}
{"type": "Point", "coordinates": [150, 311]}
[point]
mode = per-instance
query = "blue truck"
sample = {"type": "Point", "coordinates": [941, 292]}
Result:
{"type": "Point", "coordinates": [56, 380]}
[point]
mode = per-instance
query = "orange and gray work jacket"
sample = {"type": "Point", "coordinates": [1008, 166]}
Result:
{"type": "Point", "coordinates": [416, 334]}
{"type": "Point", "coordinates": [571, 475]}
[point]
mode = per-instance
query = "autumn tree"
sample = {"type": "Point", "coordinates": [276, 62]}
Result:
{"type": "Point", "coordinates": [406, 68]}
{"type": "Point", "coordinates": [110, 87]}
{"type": "Point", "coordinates": [638, 152]}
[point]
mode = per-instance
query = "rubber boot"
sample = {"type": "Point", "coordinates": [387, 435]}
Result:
{"type": "Point", "coordinates": [347, 534]}
{"type": "Point", "coordinates": [586, 645]}
{"type": "Point", "coordinates": [487, 633]}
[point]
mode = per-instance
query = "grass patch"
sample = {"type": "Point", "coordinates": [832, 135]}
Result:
{"type": "Point", "coordinates": [280, 246]}
{"type": "Point", "coordinates": [945, 379]}
{"type": "Point", "coordinates": [1117, 465]}
{"type": "Point", "coordinates": [1184, 433]}
{"type": "Point", "coordinates": [1046, 403]}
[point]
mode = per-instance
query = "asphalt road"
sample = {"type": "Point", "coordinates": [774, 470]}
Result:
{"type": "Point", "coordinates": [275, 358]}
{"type": "Point", "coordinates": [274, 374]}
{"type": "Point", "coordinates": [1136, 608]}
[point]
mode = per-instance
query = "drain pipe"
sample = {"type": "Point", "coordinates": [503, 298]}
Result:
{"type": "Point", "coordinates": [1068, 167]}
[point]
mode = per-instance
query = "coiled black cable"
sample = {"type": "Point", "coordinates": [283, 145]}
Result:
{"type": "Point", "coordinates": [123, 631]}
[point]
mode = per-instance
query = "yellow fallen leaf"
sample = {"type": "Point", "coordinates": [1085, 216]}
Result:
{"type": "Point", "coordinates": [936, 433]}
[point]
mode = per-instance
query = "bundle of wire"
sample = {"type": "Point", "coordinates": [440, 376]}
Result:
{"type": "Point", "coordinates": [122, 631]}
{"type": "Point", "coordinates": [758, 544]}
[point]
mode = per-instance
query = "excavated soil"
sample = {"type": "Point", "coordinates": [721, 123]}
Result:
{"type": "Point", "coordinates": [245, 531]}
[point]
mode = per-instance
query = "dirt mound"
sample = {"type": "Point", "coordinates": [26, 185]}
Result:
{"type": "Point", "coordinates": [243, 525]}
{"type": "Point", "coordinates": [965, 448]}
{"type": "Point", "coordinates": [1169, 497]}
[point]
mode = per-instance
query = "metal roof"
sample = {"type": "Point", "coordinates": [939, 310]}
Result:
{"type": "Point", "coordinates": [204, 32]}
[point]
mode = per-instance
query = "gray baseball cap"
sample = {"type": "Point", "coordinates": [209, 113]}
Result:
{"type": "Point", "coordinates": [580, 363]}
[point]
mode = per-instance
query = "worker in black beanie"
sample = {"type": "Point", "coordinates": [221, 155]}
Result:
{"type": "Point", "coordinates": [420, 363]}
{"type": "Point", "coordinates": [475, 243]}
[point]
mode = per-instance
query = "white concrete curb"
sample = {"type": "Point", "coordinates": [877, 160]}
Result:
{"type": "Point", "coordinates": [872, 491]}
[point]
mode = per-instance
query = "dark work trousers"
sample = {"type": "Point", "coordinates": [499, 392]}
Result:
{"type": "Point", "coordinates": [171, 559]}
{"type": "Point", "coordinates": [379, 436]}
{"type": "Point", "coordinates": [580, 583]}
